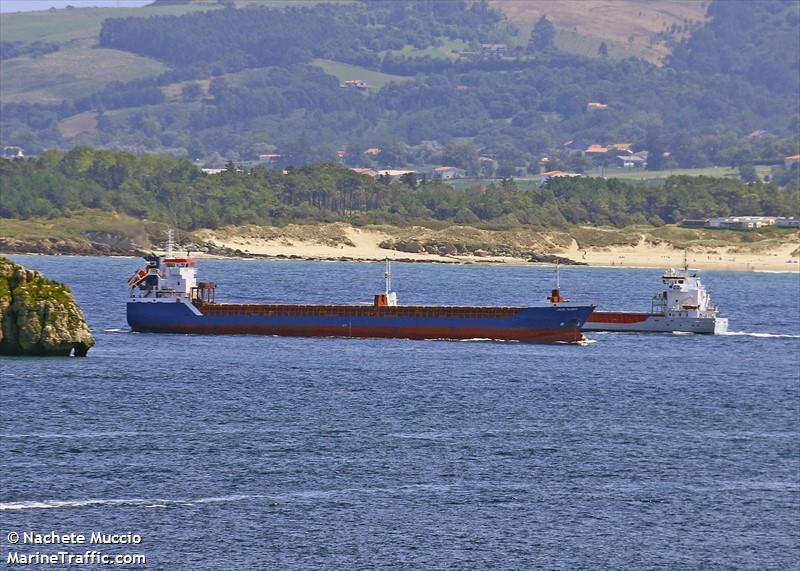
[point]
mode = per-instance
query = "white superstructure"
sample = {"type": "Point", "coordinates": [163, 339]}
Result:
{"type": "Point", "coordinates": [168, 278]}
{"type": "Point", "coordinates": [684, 306]}
{"type": "Point", "coordinates": [683, 296]}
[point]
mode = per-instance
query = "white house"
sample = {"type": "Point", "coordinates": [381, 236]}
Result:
{"type": "Point", "coordinates": [447, 173]}
{"type": "Point", "coordinates": [12, 153]}
{"type": "Point", "coordinates": [631, 161]}
{"type": "Point", "coordinates": [742, 222]}
{"type": "Point", "coordinates": [393, 174]}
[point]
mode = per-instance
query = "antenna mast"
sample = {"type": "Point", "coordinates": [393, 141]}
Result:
{"type": "Point", "coordinates": [170, 242]}
{"type": "Point", "coordinates": [555, 294]}
{"type": "Point", "coordinates": [387, 276]}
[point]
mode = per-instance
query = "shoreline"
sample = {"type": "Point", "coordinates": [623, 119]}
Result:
{"type": "Point", "coordinates": [609, 259]}
{"type": "Point", "coordinates": [631, 248]}
{"type": "Point", "coordinates": [364, 245]}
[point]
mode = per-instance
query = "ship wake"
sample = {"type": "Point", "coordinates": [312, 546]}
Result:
{"type": "Point", "coordinates": [761, 335]}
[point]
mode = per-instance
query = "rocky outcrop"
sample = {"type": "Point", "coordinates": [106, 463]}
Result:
{"type": "Point", "coordinates": [105, 244]}
{"type": "Point", "coordinates": [39, 316]}
{"type": "Point", "coordinates": [78, 247]}
{"type": "Point", "coordinates": [470, 248]}
{"type": "Point", "coordinates": [553, 259]}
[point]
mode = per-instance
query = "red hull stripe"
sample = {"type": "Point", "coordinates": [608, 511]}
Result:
{"type": "Point", "coordinates": [617, 317]}
{"type": "Point", "coordinates": [567, 334]}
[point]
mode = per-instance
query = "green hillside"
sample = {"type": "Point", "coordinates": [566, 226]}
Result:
{"type": "Point", "coordinates": [72, 72]}
{"type": "Point", "coordinates": [449, 83]}
{"type": "Point", "coordinates": [79, 67]}
{"type": "Point", "coordinates": [345, 72]}
{"type": "Point", "coordinates": [78, 23]}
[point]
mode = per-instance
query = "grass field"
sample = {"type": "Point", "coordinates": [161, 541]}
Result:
{"type": "Point", "coordinates": [285, 3]}
{"type": "Point", "coordinates": [343, 71]}
{"type": "Point", "coordinates": [78, 68]}
{"type": "Point", "coordinates": [70, 73]}
{"type": "Point", "coordinates": [77, 23]}
{"type": "Point", "coordinates": [636, 174]}
{"type": "Point", "coordinates": [528, 182]}
{"type": "Point", "coordinates": [85, 122]}
{"type": "Point", "coordinates": [448, 50]}
{"type": "Point", "coordinates": [580, 44]}
{"type": "Point", "coordinates": [630, 25]}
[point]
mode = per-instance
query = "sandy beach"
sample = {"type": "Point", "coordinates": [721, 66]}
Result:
{"type": "Point", "coordinates": [647, 255]}
{"type": "Point", "coordinates": [364, 244]}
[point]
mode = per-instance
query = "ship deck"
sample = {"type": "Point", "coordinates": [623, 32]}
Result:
{"type": "Point", "coordinates": [356, 310]}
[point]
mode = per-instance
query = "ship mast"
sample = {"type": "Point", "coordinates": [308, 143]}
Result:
{"type": "Point", "coordinates": [388, 298]}
{"type": "Point", "coordinates": [170, 242]}
{"type": "Point", "coordinates": [555, 294]}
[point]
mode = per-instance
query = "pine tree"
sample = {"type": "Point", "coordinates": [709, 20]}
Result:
{"type": "Point", "coordinates": [543, 36]}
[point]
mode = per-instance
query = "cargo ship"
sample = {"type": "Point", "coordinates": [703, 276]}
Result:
{"type": "Point", "coordinates": [165, 297]}
{"type": "Point", "coordinates": [683, 306]}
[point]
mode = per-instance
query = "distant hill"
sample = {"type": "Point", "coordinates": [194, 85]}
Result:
{"type": "Point", "coordinates": [754, 41]}
{"type": "Point", "coordinates": [76, 69]}
{"type": "Point", "coordinates": [462, 84]}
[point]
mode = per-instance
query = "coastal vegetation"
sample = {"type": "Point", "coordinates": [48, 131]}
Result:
{"type": "Point", "coordinates": [176, 192]}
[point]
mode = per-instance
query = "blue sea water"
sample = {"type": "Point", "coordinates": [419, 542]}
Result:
{"type": "Point", "coordinates": [657, 451]}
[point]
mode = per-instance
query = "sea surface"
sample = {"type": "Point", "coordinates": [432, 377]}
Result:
{"type": "Point", "coordinates": [658, 451]}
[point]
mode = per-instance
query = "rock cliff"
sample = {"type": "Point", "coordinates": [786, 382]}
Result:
{"type": "Point", "coordinates": [39, 316]}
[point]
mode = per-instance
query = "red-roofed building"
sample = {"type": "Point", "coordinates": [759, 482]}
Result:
{"type": "Point", "coordinates": [789, 161]}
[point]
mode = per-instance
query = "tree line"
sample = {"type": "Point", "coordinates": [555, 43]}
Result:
{"type": "Point", "coordinates": [177, 192]}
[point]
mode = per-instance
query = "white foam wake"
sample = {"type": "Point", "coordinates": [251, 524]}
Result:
{"type": "Point", "coordinates": [163, 503]}
{"type": "Point", "coordinates": [132, 502]}
{"type": "Point", "coordinates": [762, 335]}
{"type": "Point", "coordinates": [50, 504]}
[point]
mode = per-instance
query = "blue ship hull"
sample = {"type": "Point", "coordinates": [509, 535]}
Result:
{"type": "Point", "coordinates": [547, 323]}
